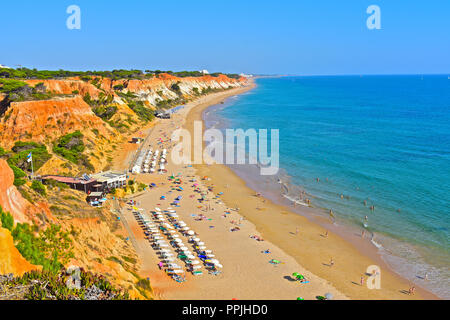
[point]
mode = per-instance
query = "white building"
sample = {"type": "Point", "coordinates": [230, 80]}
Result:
{"type": "Point", "coordinates": [204, 71]}
{"type": "Point", "coordinates": [110, 179]}
{"type": "Point", "coordinates": [4, 67]}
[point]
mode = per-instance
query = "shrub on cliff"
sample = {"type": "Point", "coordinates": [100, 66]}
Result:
{"type": "Point", "coordinates": [21, 150]}
{"type": "Point", "coordinates": [176, 88]}
{"type": "Point", "coordinates": [38, 187]}
{"type": "Point", "coordinates": [7, 219]}
{"type": "Point", "coordinates": [144, 113]}
{"type": "Point", "coordinates": [71, 147]}
{"type": "Point", "coordinates": [50, 248]}
{"type": "Point", "coordinates": [105, 113]}
{"type": "Point", "coordinates": [44, 285]}
{"type": "Point", "coordinates": [9, 85]}
{"type": "Point", "coordinates": [18, 175]}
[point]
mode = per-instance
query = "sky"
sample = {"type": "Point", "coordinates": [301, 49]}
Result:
{"type": "Point", "coordinates": [299, 37]}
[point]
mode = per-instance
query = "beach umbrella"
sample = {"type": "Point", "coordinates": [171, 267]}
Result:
{"type": "Point", "coordinates": [190, 232]}
{"type": "Point", "coordinates": [178, 271]}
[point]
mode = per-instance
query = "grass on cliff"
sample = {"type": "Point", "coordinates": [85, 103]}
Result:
{"type": "Point", "coordinates": [51, 248]}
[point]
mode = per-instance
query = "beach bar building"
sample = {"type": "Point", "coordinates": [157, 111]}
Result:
{"type": "Point", "coordinates": [109, 180]}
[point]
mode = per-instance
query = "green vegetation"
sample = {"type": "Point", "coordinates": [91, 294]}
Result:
{"type": "Point", "coordinates": [71, 147]}
{"type": "Point", "coordinates": [106, 113]}
{"type": "Point", "coordinates": [44, 285]}
{"type": "Point", "coordinates": [20, 152]}
{"type": "Point", "coordinates": [38, 187]}
{"type": "Point", "coordinates": [7, 219]}
{"type": "Point", "coordinates": [9, 85]}
{"type": "Point", "coordinates": [175, 87]}
{"type": "Point", "coordinates": [55, 184]}
{"type": "Point", "coordinates": [50, 248]}
{"type": "Point", "coordinates": [169, 103]}
{"type": "Point", "coordinates": [145, 114]}
{"type": "Point", "coordinates": [25, 73]}
{"type": "Point", "coordinates": [20, 91]}
{"type": "Point", "coordinates": [17, 159]}
{"type": "Point", "coordinates": [18, 175]}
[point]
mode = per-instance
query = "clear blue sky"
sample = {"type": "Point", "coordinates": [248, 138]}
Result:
{"type": "Point", "coordinates": [269, 37]}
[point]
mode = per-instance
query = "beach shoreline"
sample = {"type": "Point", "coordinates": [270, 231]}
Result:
{"type": "Point", "coordinates": [364, 251]}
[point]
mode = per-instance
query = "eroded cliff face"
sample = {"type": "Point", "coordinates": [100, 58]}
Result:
{"type": "Point", "coordinates": [45, 120]}
{"type": "Point", "coordinates": [151, 90]}
{"type": "Point", "coordinates": [12, 201]}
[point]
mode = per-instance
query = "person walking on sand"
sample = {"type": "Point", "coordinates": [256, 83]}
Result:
{"type": "Point", "coordinates": [361, 281]}
{"type": "Point", "coordinates": [296, 231]}
{"type": "Point", "coordinates": [331, 262]}
{"type": "Point", "coordinates": [326, 234]}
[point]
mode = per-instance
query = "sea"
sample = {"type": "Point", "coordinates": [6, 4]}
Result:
{"type": "Point", "coordinates": [373, 149]}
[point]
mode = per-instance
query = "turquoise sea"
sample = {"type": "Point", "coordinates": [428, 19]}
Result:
{"type": "Point", "coordinates": [376, 140]}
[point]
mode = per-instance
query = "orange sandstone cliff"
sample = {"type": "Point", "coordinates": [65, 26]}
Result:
{"type": "Point", "coordinates": [12, 201]}
{"type": "Point", "coordinates": [46, 120]}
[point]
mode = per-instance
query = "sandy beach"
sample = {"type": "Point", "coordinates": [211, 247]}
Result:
{"type": "Point", "coordinates": [246, 273]}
